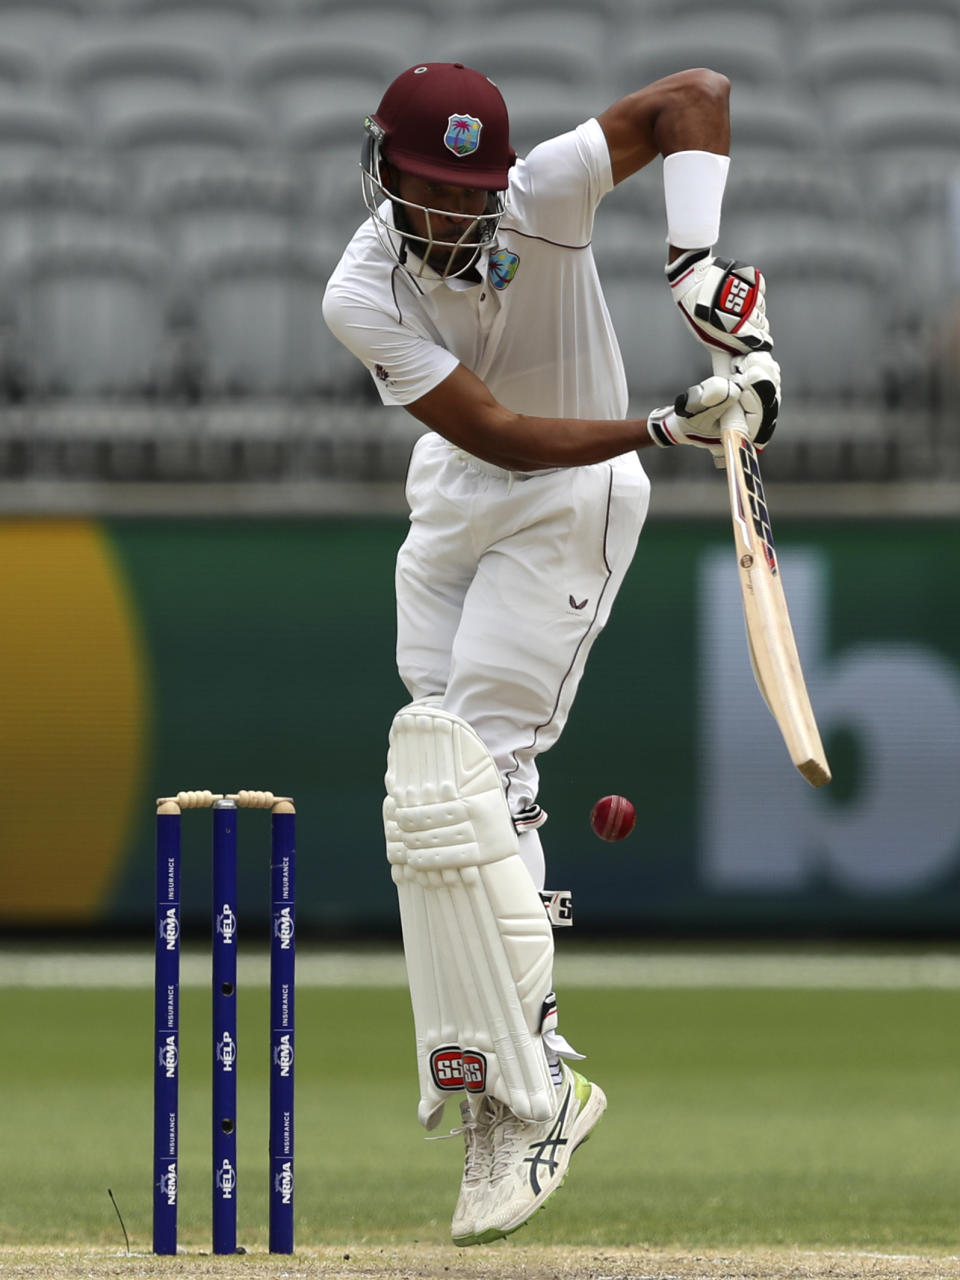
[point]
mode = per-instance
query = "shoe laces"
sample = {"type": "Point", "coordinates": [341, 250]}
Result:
{"type": "Point", "coordinates": [477, 1133]}
{"type": "Point", "coordinates": [509, 1140]}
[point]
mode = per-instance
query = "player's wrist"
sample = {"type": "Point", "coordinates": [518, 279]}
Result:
{"type": "Point", "coordinates": [679, 265]}
{"type": "Point", "coordinates": [662, 427]}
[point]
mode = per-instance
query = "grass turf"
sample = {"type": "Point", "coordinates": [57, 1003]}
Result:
{"type": "Point", "coordinates": [735, 1118]}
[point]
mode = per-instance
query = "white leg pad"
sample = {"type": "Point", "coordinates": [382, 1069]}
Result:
{"type": "Point", "coordinates": [478, 944]}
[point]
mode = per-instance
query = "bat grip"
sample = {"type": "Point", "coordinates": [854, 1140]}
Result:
{"type": "Point", "coordinates": [733, 419]}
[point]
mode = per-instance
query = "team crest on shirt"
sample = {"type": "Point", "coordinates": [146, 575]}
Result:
{"type": "Point", "coordinates": [463, 135]}
{"type": "Point", "coordinates": [503, 267]}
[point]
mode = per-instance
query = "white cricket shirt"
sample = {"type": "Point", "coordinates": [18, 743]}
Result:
{"type": "Point", "coordinates": [536, 331]}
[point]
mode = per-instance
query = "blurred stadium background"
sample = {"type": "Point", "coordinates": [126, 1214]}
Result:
{"type": "Point", "coordinates": [200, 500]}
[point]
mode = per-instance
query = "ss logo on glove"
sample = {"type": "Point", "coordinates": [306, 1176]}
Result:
{"type": "Point", "coordinates": [737, 297]}
{"type": "Point", "coordinates": [722, 300]}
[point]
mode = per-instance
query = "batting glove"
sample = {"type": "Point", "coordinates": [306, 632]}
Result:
{"type": "Point", "coordinates": [695, 416]}
{"type": "Point", "coordinates": [723, 301]}
{"type": "Point", "coordinates": [758, 377]}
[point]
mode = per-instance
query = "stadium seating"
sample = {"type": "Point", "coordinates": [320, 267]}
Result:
{"type": "Point", "coordinates": [34, 128]}
{"type": "Point", "coordinates": [769, 203]}
{"type": "Point", "coordinates": [213, 130]}
{"type": "Point", "coordinates": [236, 205]}
{"type": "Point", "coordinates": [620, 234]}
{"type": "Point", "coordinates": [538, 112]}
{"type": "Point", "coordinates": [66, 202]}
{"type": "Point", "coordinates": [565, 51]}
{"type": "Point", "coordinates": [114, 76]}
{"type": "Point", "coordinates": [335, 189]}
{"type": "Point", "coordinates": [20, 66]}
{"type": "Point", "coordinates": [261, 324]}
{"type": "Point", "coordinates": [750, 50]}
{"type": "Point", "coordinates": [367, 13]}
{"type": "Point", "coordinates": [45, 27]}
{"type": "Point", "coordinates": [229, 131]}
{"type": "Point", "coordinates": [92, 317]}
{"type": "Point", "coordinates": [771, 124]}
{"type": "Point", "coordinates": [894, 145]}
{"type": "Point", "coordinates": [925, 214]}
{"type": "Point", "coordinates": [299, 82]}
{"type": "Point", "coordinates": [855, 67]}
{"type": "Point", "coordinates": [220, 27]}
{"type": "Point", "coordinates": [915, 21]}
{"type": "Point", "coordinates": [830, 303]}
{"type": "Point", "coordinates": [659, 357]}
{"type": "Point", "coordinates": [774, 13]}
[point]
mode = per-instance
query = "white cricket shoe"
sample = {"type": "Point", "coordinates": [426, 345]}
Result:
{"type": "Point", "coordinates": [477, 1130]}
{"type": "Point", "coordinates": [530, 1159]}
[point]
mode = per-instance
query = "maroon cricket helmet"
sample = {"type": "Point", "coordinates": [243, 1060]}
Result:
{"type": "Point", "coordinates": [447, 123]}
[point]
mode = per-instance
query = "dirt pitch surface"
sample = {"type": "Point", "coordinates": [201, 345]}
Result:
{"type": "Point", "coordinates": [505, 1261]}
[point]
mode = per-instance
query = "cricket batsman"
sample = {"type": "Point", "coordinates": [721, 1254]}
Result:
{"type": "Point", "coordinates": [471, 295]}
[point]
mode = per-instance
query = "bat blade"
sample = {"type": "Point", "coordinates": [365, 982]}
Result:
{"type": "Point", "coordinates": [770, 639]}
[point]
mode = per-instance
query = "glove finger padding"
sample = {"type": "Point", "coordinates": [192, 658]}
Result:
{"type": "Point", "coordinates": [723, 301]}
{"type": "Point", "coordinates": [758, 377]}
{"type": "Point", "coordinates": [695, 416]}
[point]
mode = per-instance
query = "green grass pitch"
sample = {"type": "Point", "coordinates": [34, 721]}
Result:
{"type": "Point", "coordinates": [735, 1117]}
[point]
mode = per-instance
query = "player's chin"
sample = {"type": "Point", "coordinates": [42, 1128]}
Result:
{"type": "Point", "coordinates": [446, 261]}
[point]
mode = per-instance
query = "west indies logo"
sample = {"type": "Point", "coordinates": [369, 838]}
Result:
{"type": "Point", "coordinates": [503, 267]}
{"type": "Point", "coordinates": [463, 135]}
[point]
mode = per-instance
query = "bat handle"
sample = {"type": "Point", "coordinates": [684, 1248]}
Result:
{"type": "Point", "coordinates": [733, 419]}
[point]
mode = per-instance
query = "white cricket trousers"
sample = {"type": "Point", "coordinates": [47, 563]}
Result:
{"type": "Point", "coordinates": [503, 583]}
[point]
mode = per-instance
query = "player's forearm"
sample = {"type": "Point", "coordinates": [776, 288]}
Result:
{"type": "Point", "coordinates": [463, 411]}
{"type": "Point", "coordinates": [519, 442]}
{"type": "Point", "coordinates": [532, 444]}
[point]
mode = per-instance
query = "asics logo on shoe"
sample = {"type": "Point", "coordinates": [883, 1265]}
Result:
{"type": "Point", "coordinates": [545, 1151]}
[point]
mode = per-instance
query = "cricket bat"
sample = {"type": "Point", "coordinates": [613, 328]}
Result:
{"type": "Point", "coordinates": [770, 639]}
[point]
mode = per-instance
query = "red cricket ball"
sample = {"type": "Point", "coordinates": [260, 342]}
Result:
{"type": "Point", "coordinates": [613, 817]}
